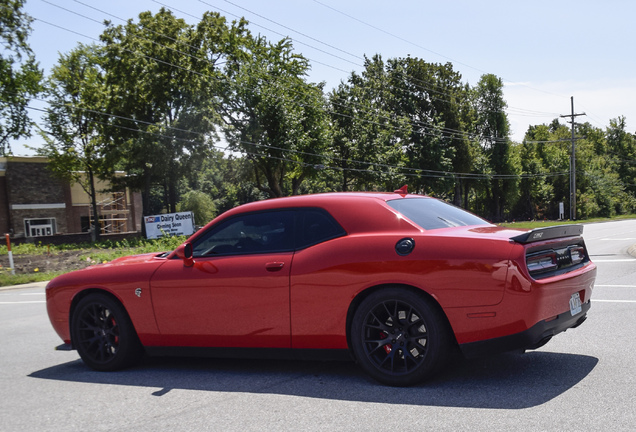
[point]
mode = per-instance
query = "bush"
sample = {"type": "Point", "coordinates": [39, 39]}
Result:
{"type": "Point", "coordinates": [200, 204]}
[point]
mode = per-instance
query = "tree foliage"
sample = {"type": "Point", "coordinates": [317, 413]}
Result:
{"type": "Point", "coordinates": [274, 116]}
{"type": "Point", "coordinates": [602, 189]}
{"type": "Point", "coordinates": [164, 85]}
{"type": "Point", "coordinates": [209, 116]}
{"type": "Point", "coordinates": [369, 139]}
{"type": "Point", "coordinates": [74, 140]}
{"type": "Point", "coordinates": [493, 130]}
{"type": "Point", "coordinates": [20, 74]}
{"type": "Point", "coordinates": [200, 203]}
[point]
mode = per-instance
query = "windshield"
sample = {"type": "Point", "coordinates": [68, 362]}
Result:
{"type": "Point", "coordinates": [431, 213]}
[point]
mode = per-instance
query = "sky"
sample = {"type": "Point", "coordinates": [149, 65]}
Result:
{"type": "Point", "coordinates": [546, 52]}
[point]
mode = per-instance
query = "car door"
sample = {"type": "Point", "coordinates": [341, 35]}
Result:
{"type": "Point", "coordinates": [237, 292]}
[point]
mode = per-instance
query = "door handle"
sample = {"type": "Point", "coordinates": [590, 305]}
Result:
{"type": "Point", "coordinates": [274, 266]}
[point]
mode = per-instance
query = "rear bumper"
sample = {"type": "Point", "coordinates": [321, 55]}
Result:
{"type": "Point", "coordinates": [532, 338]}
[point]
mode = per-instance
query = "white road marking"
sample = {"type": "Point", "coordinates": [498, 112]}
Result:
{"type": "Point", "coordinates": [613, 260]}
{"type": "Point", "coordinates": [23, 302]}
{"type": "Point", "coordinates": [613, 301]}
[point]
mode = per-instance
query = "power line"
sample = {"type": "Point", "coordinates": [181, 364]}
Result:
{"type": "Point", "coordinates": [447, 131]}
{"type": "Point", "coordinates": [394, 35]}
{"type": "Point", "coordinates": [143, 38]}
{"type": "Point", "coordinates": [424, 85]}
{"type": "Point", "coordinates": [268, 29]}
{"type": "Point", "coordinates": [289, 28]}
{"type": "Point", "coordinates": [414, 171]}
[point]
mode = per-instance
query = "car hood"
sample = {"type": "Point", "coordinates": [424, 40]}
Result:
{"type": "Point", "coordinates": [134, 267]}
{"type": "Point", "coordinates": [136, 259]}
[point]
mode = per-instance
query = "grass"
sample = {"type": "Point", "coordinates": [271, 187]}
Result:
{"type": "Point", "coordinates": [7, 279]}
{"type": "Point", "coordinates": [139, 245]}
{"type": "Point", "coordinates": [97, 252]}
{"type": "Point", "coordinates": [547, 223]}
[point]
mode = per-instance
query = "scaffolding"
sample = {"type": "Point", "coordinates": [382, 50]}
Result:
{"type": "Point", "coordinates": [113, 213]}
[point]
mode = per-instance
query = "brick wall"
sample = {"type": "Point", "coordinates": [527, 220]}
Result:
{"type": "Point", "coordinates": [31, 182]}
{"type": "Point", "coordinates": [26, 183]}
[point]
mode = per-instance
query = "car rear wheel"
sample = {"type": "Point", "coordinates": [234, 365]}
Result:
{"type": "Point", "coordinates": [103, 334]}
{"type": "Point", "coordinates": [399, 337]}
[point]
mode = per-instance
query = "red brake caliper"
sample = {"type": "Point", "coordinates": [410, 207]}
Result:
{"type": "Point", "coordinates": [388, 347]}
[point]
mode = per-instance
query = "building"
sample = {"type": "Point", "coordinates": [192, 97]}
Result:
{"type": "Point", "coordinates": [34, 204]}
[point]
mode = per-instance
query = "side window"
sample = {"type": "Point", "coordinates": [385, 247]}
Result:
{"type": "Point", "coordinates": [316, 226]}
{"type": "Point", "coordinates": [252, 233]}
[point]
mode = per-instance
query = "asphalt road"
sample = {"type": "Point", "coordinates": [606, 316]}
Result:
{"type": "Point", "coordinates": [583, 379]}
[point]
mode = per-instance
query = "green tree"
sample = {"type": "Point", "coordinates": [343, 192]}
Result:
{"type": "Point", "coordinates": [200, 204]}
{"type": "Point", "coordinates": [369, 137]}
{"type": "Point", "coordinates": [534, 188]}
{"type": "Point", "coordinates": [602, 186]}
{"type": "Point", "coordinates": [274, 116]}
{"type": "Point", "coordinates": [493, 129]}
{"type": "Point", "coordinates": [621, 150]}
{"type": "Point", "coordinates": [434, 100]}
{"type": "Point", "coordinates": [164, 83]}
{"type": "Point", "coordinates": [226, 179]}
{"type": "Point", "coordinates": [20, 74]}
{"type": "Point", "coordinates": [73, 132]}
{"type": "Point", "coordinates": [601, 189]}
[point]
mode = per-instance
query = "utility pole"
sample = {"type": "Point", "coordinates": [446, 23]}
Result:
{"type": "Point", "coordinates": [572, 163]}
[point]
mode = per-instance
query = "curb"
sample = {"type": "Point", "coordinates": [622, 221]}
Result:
{"type": "Point", "coordinates": [36, 285]}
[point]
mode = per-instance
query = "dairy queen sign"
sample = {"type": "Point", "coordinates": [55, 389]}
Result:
{"type": "Point", "coordinates": [169, 224]}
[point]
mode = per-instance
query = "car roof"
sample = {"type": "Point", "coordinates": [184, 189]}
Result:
{"type": "Point", "coordinates": [313, 199]}
{"type": "Point", "coordinates": [355, 211]}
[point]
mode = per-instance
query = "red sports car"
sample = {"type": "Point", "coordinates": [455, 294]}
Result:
{"type": "Point", "coordinates": [394, 280]}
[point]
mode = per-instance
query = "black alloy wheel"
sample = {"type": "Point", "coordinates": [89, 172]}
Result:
{"type": "Point", "coordinates": [399, 337]}
{"type": "Point", "coordinates": [103, 334]}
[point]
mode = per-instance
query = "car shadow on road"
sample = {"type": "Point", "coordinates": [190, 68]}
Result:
{"type": "Point", "coordinates": [508, 381]}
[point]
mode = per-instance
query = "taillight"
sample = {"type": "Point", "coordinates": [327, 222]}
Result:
{"type": "Point", "coordinates": [542, 262]}
{"type": "Point", "coordinates": [577, 253]}
{"type": "Point", "coordinates": [555, 261]}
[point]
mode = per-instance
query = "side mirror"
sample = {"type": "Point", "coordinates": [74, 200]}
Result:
{"type": "Point", "coordinates": [185, 253]}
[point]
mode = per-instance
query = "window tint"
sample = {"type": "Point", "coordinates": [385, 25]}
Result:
{"type": "Point", "coordinates": [430, 213]}
{"type": "Point", "coordinates": [316, 226]}
{"type": "Point", "coordinates": [248, 234]}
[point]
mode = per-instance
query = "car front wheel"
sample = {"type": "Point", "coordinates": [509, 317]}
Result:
{"type": "Point", "coordinates": [399, 337]}
{"type": "Point", "coordinates": [103, 334]}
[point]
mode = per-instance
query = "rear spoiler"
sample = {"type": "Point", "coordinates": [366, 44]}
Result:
{"type": "Point", "coordinates": [539, 234]}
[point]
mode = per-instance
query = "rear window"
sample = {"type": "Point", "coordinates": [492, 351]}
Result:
{"type": "Point", "coordinates": [430, 213]}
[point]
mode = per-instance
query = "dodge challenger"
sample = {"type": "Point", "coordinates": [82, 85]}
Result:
{"type": "Point", "coordinates": [396, 281]}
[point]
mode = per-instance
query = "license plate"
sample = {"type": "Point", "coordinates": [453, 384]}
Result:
{"type": "Point", "coordinates": [575, 304]}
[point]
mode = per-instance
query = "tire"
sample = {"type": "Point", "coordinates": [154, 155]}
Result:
{"type": "Point", "coordinates": [103, 334]}
{"type": "Point", "coordinates": [399, 337]}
